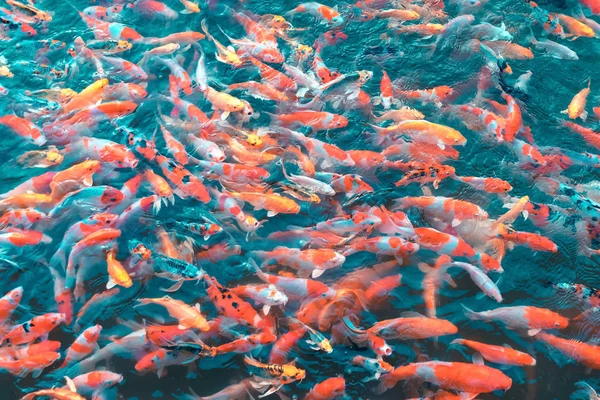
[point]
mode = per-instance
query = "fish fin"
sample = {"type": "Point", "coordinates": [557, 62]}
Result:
{"type": "Point", "coordinates": [398, 258]}
{"type": "Point", "coordinates": [478, 359]}
{"type": "Point", "coordinates": [585, 387]}
{"type": "Point", "coordinates": [301, 92]}
{"type": "Point", "coordinates": [426, 191]}
{"type": "Point", "coordinates": [111, 283]}
{"type": "Point", "coordinates": [317, 273]}
{"type": "Point", "coordinates": [411, 314]}
{"type": "Point", "coordinates": [455, 222]}
{"type": "Point", "coordinates": [36, 373]}
{"type": "Point", "coordinates": [71, 384]}
{"type": "Point", "coordinates": [185, 12]}
{"type": "Point", "coordinates": [424, 268]}
{"type": "Point", "coordinates": [266, 309]}
{"type": "Point", "coordinates": [225, 115]}
{"type": "Point", "coordinates": [449, 280]}
{"type": "Point", "coordinates": [584, 115]}
{"type": "Point", "coordinates": [326, 164]}
{"type": "Point", "coordinates": [533, 332]}
{"type": "Point", "coordinates": [156, 205]}
{"type": "Point", "coordinates": [271, 213]}
{"type": "Point", "coordinates": [175, 287]}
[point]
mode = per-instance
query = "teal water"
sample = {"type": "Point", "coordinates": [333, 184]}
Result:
{"type": "Point", "coordinates": [528, 276]}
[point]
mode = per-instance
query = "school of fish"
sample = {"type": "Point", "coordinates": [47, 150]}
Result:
{"type": "Point", "coordinates": [210, 210]}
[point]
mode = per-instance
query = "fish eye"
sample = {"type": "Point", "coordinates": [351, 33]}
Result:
{"type": "Point", "coordinates": [113, 199]}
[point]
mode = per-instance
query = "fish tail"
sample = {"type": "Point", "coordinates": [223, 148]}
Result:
{"type": "Point", "coordinates": [259, 272]}
{"type": "Point", "coordinates": [59, 258]}
{"type": "Point", "coordinates": [585, 387]}
{"type": "Point", "coordinates": [386, 382]}
{"type": "Point", "coordinates": [205, 30]}
{"type": "Point", "coordinates": [353, 328]}
{"type": "Point", "coordinates": [379, 135]}
{"type": "Point", "coordinates": [251, 361]}
{"type": "Point", "coordinates": [472, 315]}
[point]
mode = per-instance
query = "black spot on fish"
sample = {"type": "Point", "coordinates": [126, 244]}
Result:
{"type": "Point", "coordinates": [235, 305]}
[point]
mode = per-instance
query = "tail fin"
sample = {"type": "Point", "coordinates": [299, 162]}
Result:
{"type": "Point", "coordinates": [585, 387]}
{"type": "Point", "coordinates": [259, 272]}
{"type": "Point", "coordinates": [379, 135]}
{"type": "Point", "coordinates": [472, 315]}
{"type": "Point", "coordinates": [59, 258]}
{"type": "Point", "coordinates": [386, 382]}
{"type": "Point", "coordinates": [350, 325]}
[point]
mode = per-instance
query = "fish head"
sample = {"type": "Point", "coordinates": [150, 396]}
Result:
{"type": "Point", "coordinates": [15, 295]}
{"type": "Point", "coordinates": [150, 361]}
{"type": "Point", "coordinates": [28, 30]}
{"type": "Point", "coordinates": [111, 196]}
{"type": "Point", "coordinates": [334, 387]}
{"type": "Point", "coordinates": [250, 224]}
{"type": "Point", "coordinates": [365, 219]}
{"type": "Point", "coordinates": [254, 140]}
{"type": "Point", "coordinates": [463, 249]}
{"type": "Point", "coordinates": [137, 92]}
{"type": "Point", "coordinates": [379, 346]}
{"type": "Point", "coordinates": [561, 322]}
{"type": "Point", "coordinates": [104, 219]}
{"type": "Point", "coordinates": [247, 110]}
{"type": "Point", "coordinates": [337, 20]}
{"type": "Point", "coordinates": [337, 260]}
{"type": "Point", "coordinates": [275, 296]}
{"type": "Point", "coordinates": [92, 334]}
{"type": "Point", "coordinates": [89, 167]}
{"type": "Point", "coordinates": [54, 319]}
{"type": "Point", "coordinates": [489, 263]}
